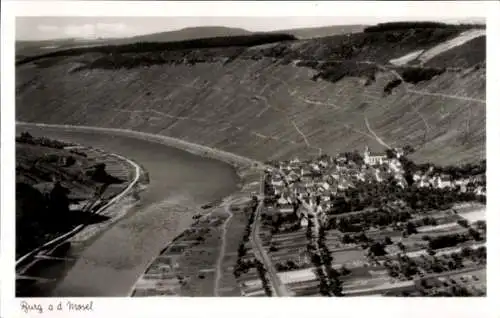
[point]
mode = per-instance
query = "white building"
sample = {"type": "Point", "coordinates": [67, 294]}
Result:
{"type": "Point", "coordinates": [277, 182]}
{"type": "Point", "coordinates": [374, 158]}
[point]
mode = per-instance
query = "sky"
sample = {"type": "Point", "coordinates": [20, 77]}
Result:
{"type": "Point", "coordinates": [44, 28]}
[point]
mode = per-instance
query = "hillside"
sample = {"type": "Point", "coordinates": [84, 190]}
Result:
{"type": "Point", "coordinates": [49, 178]}
{"type": "Point", "coordinates": [274, 100]}
{"type": "Point", "coordinates": [317, 32]}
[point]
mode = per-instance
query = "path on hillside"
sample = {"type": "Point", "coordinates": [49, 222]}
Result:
{"type": "Point", "coordinates": [301, 133]}
{"type": "Point", "coordinates": [420, 92]}
{"type": "Point", "coordinates": [407, 90]}
{"type": "Point", "coordinates": [405, 87]}
{"type": "Point", "coordinates": [380, 141]}
{"type": "Point", "coordinates": [395, 73]}
{"type": "Point", "coordinates": [464, 98]}
{"type": "Point", "coordinates": [449, 44]}
{"type": "Point", "coordinates": [218, 269]}
{"type": "Point", "coordinates": [292, 121]}
{"type": "Point", "coordinates": [293, 93]}
{"type": "Point", "coordinates": [372, 136]}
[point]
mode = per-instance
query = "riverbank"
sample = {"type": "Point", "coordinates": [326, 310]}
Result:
{"type": "Point", "coordinates": [39, 159]}
{"type": "Point", "coordinates": [108, 209]}
{"type": "Point", "coordinates": [196, 149]}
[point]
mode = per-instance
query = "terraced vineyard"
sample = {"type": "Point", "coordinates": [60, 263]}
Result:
{"type": "Point", "coordinates": [259, 103]}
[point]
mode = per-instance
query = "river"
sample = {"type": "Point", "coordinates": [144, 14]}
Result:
{"type": "Point", "coordinates": [111, 262]}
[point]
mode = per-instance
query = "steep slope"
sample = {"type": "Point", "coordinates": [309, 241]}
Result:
{"type": "Point", "coordinates": [272, 101]}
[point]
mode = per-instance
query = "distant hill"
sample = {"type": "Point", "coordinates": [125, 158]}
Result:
{"type": "Point", "coordinates": [187, 34]}
{"type": "Point", "coordinates": [28, 48]}
{"type": "Point", "coordinates": [309, 33]}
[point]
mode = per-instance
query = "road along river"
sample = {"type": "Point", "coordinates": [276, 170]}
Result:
{"type": "Point", "coordinates": [110, 263]}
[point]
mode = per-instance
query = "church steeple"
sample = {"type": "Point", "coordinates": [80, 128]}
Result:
{"type": "Point", "coordinates": [366, 156]}
{"type": "Point", "coordinates": [367, 151]}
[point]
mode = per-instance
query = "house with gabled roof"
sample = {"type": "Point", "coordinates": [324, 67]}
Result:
{"type": "Point", "coordinates": [323, 163]}
{"type": "Point", "coordinates": [304, 221]}
{"type": "Point", "coordinates": [480, 191]}
{"type": "Point", "coordinates": [343, 185]}
{"type": "Point", "coordinates": [284, 205]}
{"type": "Point", "coordinates": [444, 181]}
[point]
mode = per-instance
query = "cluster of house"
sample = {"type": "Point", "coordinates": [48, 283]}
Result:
{"type": "Point", "coordinates": [316, 182]}
{"type": "Point", "coordinates": [321, 179]}
{"type": "Point", "coordinates": [473, 184]}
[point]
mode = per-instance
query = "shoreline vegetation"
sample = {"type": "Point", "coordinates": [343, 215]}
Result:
{"type": "Point", "coordinates": [59, 186]}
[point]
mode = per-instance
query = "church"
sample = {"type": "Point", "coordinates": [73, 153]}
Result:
{"type": "Point", "coordinates": [372, 159]}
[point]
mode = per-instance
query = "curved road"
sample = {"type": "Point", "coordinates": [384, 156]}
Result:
{"type": "Point", "coordinates": [110, 264]}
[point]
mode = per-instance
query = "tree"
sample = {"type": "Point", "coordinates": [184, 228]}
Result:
{"type": "Point", "coordinates": [70, 160]}
{"type": "Point", "coordinates": [291, 265]}
{"type": "Point", "coordinates": [407, 149]}
{"type": "Point", "coordinates": [401, 246]}
{"type": "Point", "coordinates": [344, 270]}
{"type": "Point", "coordinates": [387, 240]}
{"type": "Point", "coordinates": [475, 234]}
{"type": "Point", "coordinates": [347, 239]}
{"type": "Point", "coordinates": [411, 228]}
{"type": "Point", "coordinates": [466, 251]}
{"type": "Point", "coordinates": [463, 222]}
{"type": "Point", "coordinates": [58, 199]}
{"type": "Point", "coordinates": [26, 137]}
{"type": "Point", "coordinates": [377, 249]}
{"type": "Point", "coordinates": [431, 252]}
{"type": "Point", "coordinates": [481, 225]}
{"type": "Point", "coordinates": [390, 153]}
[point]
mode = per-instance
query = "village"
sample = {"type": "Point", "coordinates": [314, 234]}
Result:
{"type": "Point", "coordinates": [371, 224]}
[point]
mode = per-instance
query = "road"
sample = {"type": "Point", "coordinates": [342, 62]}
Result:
{"type": "Point", "coordinates": [279, 288]}
{"type": "Point", "coordinates": [218, 273]}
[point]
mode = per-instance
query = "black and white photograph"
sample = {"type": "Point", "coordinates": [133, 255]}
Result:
{"type": "Point", "coordinates": [249, 156]}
